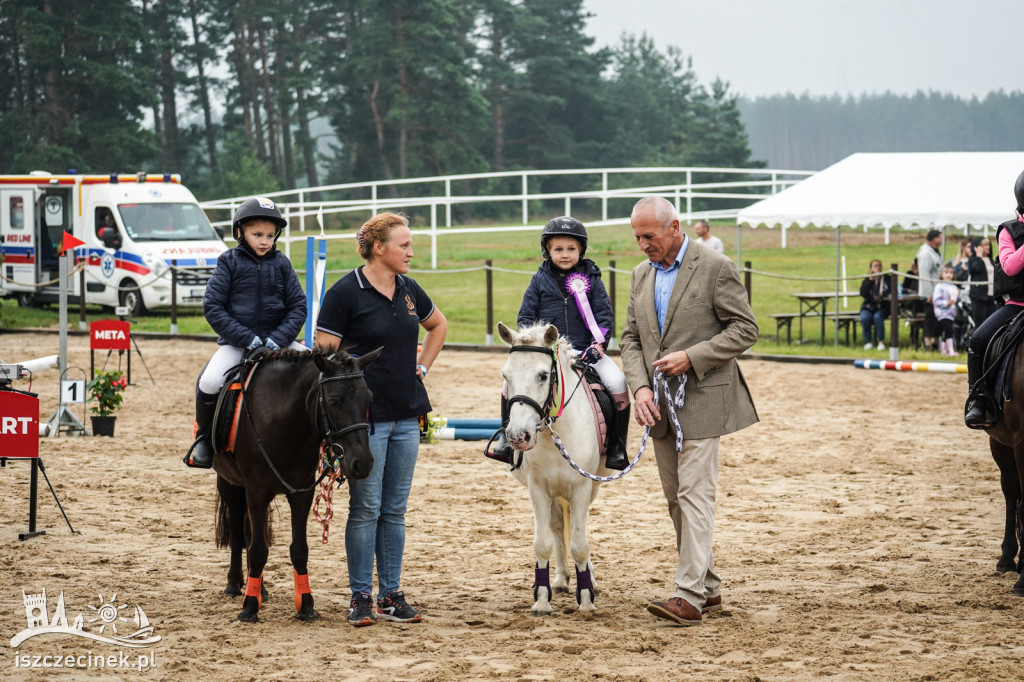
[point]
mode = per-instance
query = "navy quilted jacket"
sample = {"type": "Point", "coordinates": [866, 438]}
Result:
{"type": "Point", "coordinates": [546, 300]}
{"type": "Point", "coordinates": [249, 296]}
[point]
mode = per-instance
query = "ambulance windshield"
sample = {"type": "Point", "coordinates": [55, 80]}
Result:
{"type": "Point", "coordinates": [165, 222]}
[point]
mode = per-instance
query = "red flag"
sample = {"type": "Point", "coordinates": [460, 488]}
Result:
{"type": "Point", "coordinates": [69, 242]}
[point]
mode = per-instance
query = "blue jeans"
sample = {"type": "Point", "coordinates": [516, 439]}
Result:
{"type": "Point", "coordinates": [376, 508]}
{"type": "Point", "coordinates": [877, 318]}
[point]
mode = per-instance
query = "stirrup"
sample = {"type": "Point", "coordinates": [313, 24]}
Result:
{"type": "Point", "coordinates": [978, 416]}
{"type": "Point", "coordinates": [199, 464]}
{"type": "Point", "coordinates": [503, 456]}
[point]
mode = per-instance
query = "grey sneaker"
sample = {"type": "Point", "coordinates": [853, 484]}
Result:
{"type": "Point", "coordinates": [360, 611]}
{"type": "Point", "coordinates": [393, 607]}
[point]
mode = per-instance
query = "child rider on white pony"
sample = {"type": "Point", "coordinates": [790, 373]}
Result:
{"type": "Point", "coordinates": [567, 291]}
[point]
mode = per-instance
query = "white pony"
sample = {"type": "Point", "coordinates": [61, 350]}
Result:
{"type": "Point", "coordinates": [539, 376]}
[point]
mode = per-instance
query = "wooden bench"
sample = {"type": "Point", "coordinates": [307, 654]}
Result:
{"type": "Point", "coordinates": [846, 321]}
{"type": "Point", "coordinates": [784, 320]}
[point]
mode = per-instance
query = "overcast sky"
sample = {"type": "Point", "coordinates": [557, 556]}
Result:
{"type": "Point", "coordinates": [824, 47]}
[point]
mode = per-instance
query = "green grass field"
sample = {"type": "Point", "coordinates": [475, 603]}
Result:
{"type": "Point", "coordinates": [462, 295]}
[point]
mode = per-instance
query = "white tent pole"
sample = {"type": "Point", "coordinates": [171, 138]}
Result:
{"type": "Point", "coordinates": [835, 310]}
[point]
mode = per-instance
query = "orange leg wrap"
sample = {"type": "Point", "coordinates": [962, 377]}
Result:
{"type": "Point", "coordinates": [252, 589]}
{"type": "Point", "coordinates": [301, 588]}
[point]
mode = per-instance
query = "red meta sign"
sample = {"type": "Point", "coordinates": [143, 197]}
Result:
{"type": "Point", "coordinates": [109, 335]}
{"type": "Point", "coordinates": [19, 425]}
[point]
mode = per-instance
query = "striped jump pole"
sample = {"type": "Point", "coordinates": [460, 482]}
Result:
{"type": "Point", "coordinates": [433, 429]}
{"type": "Point", "coordinates": [898, 366]}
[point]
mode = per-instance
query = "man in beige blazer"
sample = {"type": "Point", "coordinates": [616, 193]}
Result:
{"type": "Point", "coordinates": [688, 315]}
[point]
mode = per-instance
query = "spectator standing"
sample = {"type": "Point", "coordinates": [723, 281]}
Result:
{"type": "Point", "coordinates": [981, 269]}
{"type": "Point", "coordinates": [944, 301]}
{"type": "Point", "coordinates": [929, 263]}
{"type": "Point", "coordinates": [703, 231]}
{"type": "Point", "coordinates": [959, 262]}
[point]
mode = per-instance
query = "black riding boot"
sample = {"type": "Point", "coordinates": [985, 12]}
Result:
{"type": "Point", "coordinates": [501, 451]}
{"type": "Point", "coordinates": [616, 456]}
{"type": "Point", "coordinates": [200, 455]}
{"type": "Point", "coordinates": [979, 413]}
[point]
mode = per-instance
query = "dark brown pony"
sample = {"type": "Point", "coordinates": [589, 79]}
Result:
{"type": "Point", "coordinates": [1006, 441]}
{"type": "Point", "coordinates": [294, 402]}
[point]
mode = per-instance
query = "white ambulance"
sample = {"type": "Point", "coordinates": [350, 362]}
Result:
{"type": "Point", "coordinates": [133, 227]}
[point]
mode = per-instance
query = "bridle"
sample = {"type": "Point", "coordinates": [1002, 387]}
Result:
{"type": "Point", "coordinates": [333, 432]}
{"type": "Point", "coordinates": [545, 410]}
{"type": "Point", "coordinates": [329, 439]}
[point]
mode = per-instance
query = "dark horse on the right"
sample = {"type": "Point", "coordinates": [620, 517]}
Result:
{"type": "Point", "coordinates": [294, 403]}
{"type": "Point", "coordinates": [1006, 440]}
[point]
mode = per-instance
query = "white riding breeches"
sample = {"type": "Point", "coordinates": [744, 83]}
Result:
{"type": "Point", "coordinates": [224, 359]}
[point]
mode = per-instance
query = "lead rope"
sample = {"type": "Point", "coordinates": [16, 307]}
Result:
{"type": "Point", "coordinates": [675, 402]}
{"type": "Point", "coordinates": [327, 475]}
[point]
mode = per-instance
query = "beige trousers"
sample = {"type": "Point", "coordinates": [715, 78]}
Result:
{"type": "Point", "coordinates": [690, 480]}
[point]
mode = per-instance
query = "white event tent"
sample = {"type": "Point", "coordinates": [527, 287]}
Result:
{"type": "Point", "coordinates": [913, 190]}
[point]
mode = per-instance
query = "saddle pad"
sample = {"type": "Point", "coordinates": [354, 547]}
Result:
{"type": "Point", "coordinates": [601, 403]}
{"type": "Point", "coordinates": [229, 409]}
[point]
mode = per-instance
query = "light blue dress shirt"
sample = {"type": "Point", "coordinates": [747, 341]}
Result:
{"type": "Point", "coordinates": [664, 281]}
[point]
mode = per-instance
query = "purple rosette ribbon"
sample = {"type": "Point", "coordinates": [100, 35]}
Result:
{"type": "Point", "coordinates": [578, 285]}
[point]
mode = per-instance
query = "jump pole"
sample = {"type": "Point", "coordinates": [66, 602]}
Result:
{"type": "Point", "coordinates": [939, 367]}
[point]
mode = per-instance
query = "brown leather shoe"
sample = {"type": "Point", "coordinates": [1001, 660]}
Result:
{"type": "Point", "coordinates": [676, 609]}
{"type": "Point", "coordinates": [713, 604]}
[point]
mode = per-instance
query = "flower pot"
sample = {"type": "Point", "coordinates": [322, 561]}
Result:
{"type": "Point", "coordinates": [103, 426]}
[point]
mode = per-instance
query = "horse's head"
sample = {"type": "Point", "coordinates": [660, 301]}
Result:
{"type": "Point", "coordinates": [343, 406]}
{"type": "Point", "coordinates": [530, 377]}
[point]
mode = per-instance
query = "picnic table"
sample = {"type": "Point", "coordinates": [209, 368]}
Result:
{"type": "Point", "coordinates": [816, 302]}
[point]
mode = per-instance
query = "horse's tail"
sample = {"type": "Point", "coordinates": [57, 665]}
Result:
{"type": "Point", "coordinates": [566, 525]}
{"type": "Point", "coordinates": [221, 532]}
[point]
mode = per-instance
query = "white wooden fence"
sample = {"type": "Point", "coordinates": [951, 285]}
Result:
{"type": "Point", "coordinates": [436, 194]}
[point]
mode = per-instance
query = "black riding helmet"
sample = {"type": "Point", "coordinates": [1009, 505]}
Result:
{"type": "Point", "coordinates": [1018, 191]}
{"type": "Point", "coordinates": [257, 207]}
{"type": "Point", "coordinates": [563, 226]}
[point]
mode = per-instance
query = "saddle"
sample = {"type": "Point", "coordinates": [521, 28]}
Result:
{"type": "Point", "coordinates": [600, 400]}
{"type": "Point", "coordinates": [999, 360]}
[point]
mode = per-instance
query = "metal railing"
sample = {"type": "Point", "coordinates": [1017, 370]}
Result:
{"type": "Point", "coordinates": [600, 184]}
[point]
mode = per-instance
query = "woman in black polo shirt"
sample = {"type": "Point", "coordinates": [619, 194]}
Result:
{"type": "Point", "coordinates": [379, 305]}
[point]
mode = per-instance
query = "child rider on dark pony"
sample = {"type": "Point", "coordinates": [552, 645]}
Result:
{"type": "Point", "coordinates": [253, 299]}
{"type": "Point", "coordinates": [567, 291]}
{"type": "Point", "coordinates": [980, 412]}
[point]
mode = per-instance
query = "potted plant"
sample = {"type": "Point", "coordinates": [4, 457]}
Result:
{"type": "Point", "coordinates": [106, 393]}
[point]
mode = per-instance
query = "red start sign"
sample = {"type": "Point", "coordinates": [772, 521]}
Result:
{"type": "Point", "coordinates": [109, 335]}
{"type": "Point", "coordinates": [19, 425]}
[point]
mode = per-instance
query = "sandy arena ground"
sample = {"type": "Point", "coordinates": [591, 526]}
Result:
{"type": "Point", "coordinates": [857, 535]}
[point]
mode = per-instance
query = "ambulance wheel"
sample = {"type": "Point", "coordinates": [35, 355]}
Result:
{"type": "Point", "coordinates": [131, 298]}
{"type": "Point", "coordinates": [26, 300]}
